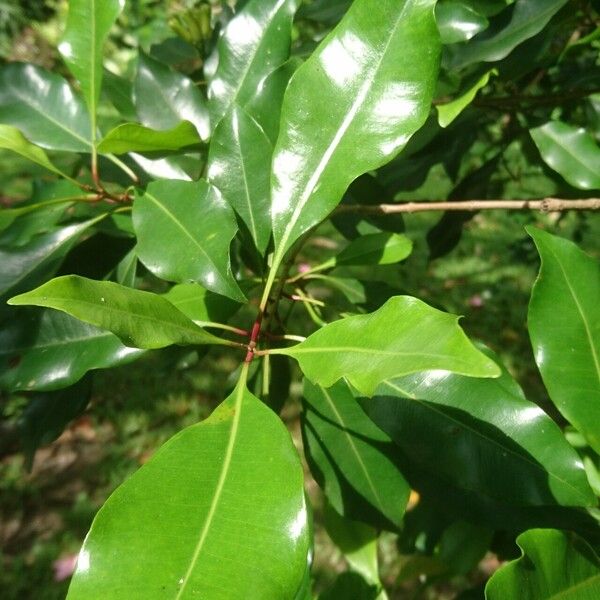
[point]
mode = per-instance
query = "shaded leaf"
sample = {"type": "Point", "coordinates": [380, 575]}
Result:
{"type": "Point", "coordinates": [504, 446]}
{"type": "Point", "coordinates": [255, 42]}
{"type": "Point", "coordinates": [351, 455]}
{"type": "Point", "coordinates": [239, 164]}
{"type": "Point", "coordinates": [48, 350]}
{"type": "Point", "coordinates": [27, 266]}
{"type": "Point", "coordinates": [12, 139]}
{"type": "Point", "coordinates": [47, 415]}
{"type": "Point", "coordinates": [163, 98]}
{"type": "Point", "coordinates": [553, 564]}
{"type": "Point", "coordinates": [132, 137]}
{"type": "Point", "coordinates": [564, 326]}
{"type": "Point", "coordinates": [527, 18]}
{"type": "Point", "coordinates": [357, 541]}
{"type": "Point", "coordinates": [369, 86]}
{"type": "Point", "coordinates": [184, 231]}
{"type": "Point", "coordinates": [404, 336]}
{"type": "Point", "coordinates": [570, 151]}
{"type": "Point", "coordinates": [238, 516]}
{"type": "Point", "coordinates": [140, 319]}
{"type": "Point", "coordinates": [43, 107]}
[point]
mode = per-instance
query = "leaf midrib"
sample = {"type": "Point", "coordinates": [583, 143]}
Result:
{"type": "Point", "coordinates": [237, 410]}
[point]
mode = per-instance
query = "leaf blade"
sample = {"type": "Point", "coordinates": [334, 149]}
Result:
{"type": "Point", "coordinates": [217, 526]}
{"type": "Point", "coordinates": [377, 100]}
{"type": "Point", "coordinates": [140, 319]}
{"type": "Point", "coordinates": [184, 231]}
{"type": "Point", "coordinates": [132, 137]}
{"type": "Point", "coordinates": [88, 24]}
{"type": "Point", "coordinates": [396, 345]}
{"type": "Point", "coordinates": [566, 342]}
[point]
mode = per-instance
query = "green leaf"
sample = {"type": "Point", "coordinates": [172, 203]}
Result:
{"type": "Point", "coordinates": [404, 336]}
{"type": "Point", "coordinates": [199, 304]}
{"type": "Point", "coordinates": [374, 249]}
{"type": "Point", "coordinates": [449, 111]}
{"type": "Point", "coordinates": [527, 18]}
{"type": "Point", "coordinates": [47, 415]}
{"type": "Point", "coordinates": [570, 151]}
{"type": "Point", "coordinates": [503, 446]}
{"type": "Point", "coordinates": [88, 24]}
{"type": "Point", "coordinates": [120, 93]}
{"type": "Point", "coordinates": [218, 512]}
{"type": "Point", "coordinates": [132, 137]}
{"type": "Point", "coordinates": [357, 541]}
{"type": "Point", "coordinates": [564, 326]}
{"type": "Point", "coordinates": [43, 107]}
{"type": "Point", "coordinates": [184, 231]}
{"type": "Point", "coordinates": [139, 319]}
{"type": "Point", "coordinates": [368, 85]}
{"type": "Point", "coordinates": [458, 22]}
{"type": "Point", "coordinates": [239, 164]}
{"type": "Point", "coordinates": [163, 98]}
{"type": "Point", "coordinates": [12, 139]}
{"type": "Point", "coordinates": [255, 42]}
{"type": "Point", "coordinates": [554, 564]}
{"type": "Point", "coordinates": [27, 266]}
{"type": "Point", "coordinates": [350, 456]}
{"type": "Point", "coordinates": [48, 350]}
{"type": "Point", "coordinates": [265, 105]}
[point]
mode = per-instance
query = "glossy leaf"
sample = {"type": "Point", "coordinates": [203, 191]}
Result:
{"type": "Point", "coordinates": [502, 445]}
{"type": "Point", "coordinates": [256, 41]}
{"type": "Point", "coordinates": [369, 86]}
{"type": "Point", "coordinates": [88, 24]}
{"type": "Point", "coordinates": [404, 336]}
{"type": "Point", "coordinates": [218, 512]}
{"type": "Point", "coordinates": [132, 137]}
{"type": "Point", "coordinates": [12, 139]}
{"type": "Point", "coordinates": [554, 564]}
{"type": "Point", "coordinates": [527, 18]}
{"type": "Point", "coordinates": [458, 21]}
{"type": "Point", "coordinates": [163, 98]}
{"type": "Point", "coordinates": [184, 230]}
{"type": "Point", "coordinates": [265, 105]}
{"type": "Point", "coordinates": [375, 249]}
{"type": "Point", "coordinates": [44, 108]}
{"type": "Point", "coordinates": [239, 164]}
{"type": "Point", "coordinates": [351, 456]}
{"type": "Point", "coordinates": [140, 319]}
{"type": "Point", "coordinates": [564, 326]}
{"type": "Point", "coordinates": [26, 267]}
{"type": "Point", "coordinates": [48, 350]}
{"type": "Point", "coordinates": [570, 151]}
{"type": "Point", "coordinates": [449, 111]}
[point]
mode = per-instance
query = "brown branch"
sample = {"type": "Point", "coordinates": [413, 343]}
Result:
{"type": "Point", "coordinates": [545, 205]}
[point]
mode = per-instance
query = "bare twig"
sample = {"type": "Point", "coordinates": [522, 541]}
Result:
{"type": "Point", "coordinates": [544, 205]}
